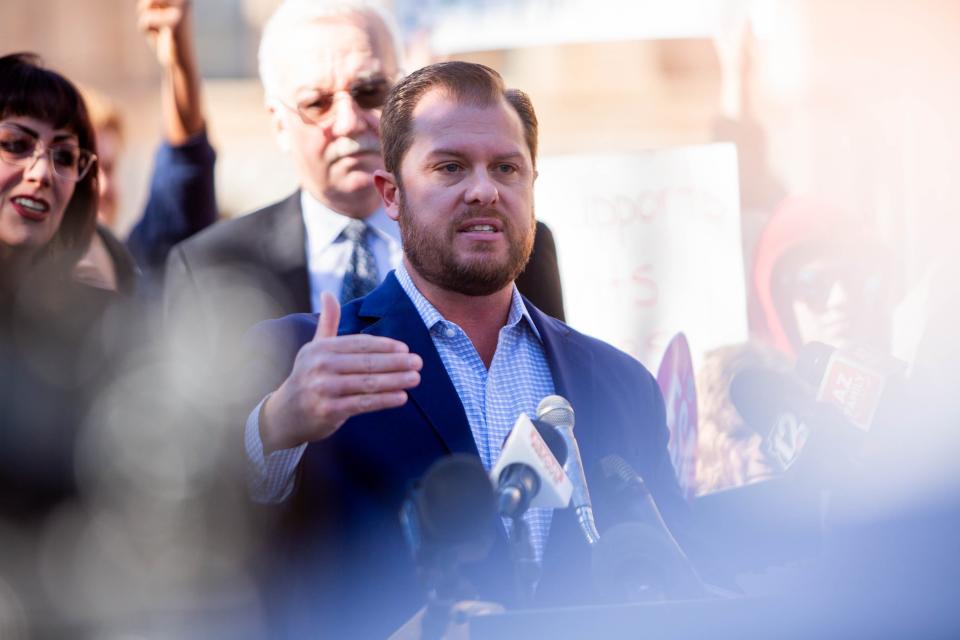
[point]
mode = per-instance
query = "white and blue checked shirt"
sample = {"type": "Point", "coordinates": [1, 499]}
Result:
{"type": "Point", "coordinates": [518, 378]}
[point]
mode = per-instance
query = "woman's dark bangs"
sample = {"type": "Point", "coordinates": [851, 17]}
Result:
{"type": "Point", "coordinates": [42, 94]}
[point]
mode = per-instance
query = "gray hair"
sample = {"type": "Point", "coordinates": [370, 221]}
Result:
{"type": "Point", "coordinates": [295, 14]}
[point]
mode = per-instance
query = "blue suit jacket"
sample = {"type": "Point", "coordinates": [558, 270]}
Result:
{"type": "Point", "coordinates": [342, 525]}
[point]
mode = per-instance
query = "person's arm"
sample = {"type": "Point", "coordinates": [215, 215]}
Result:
{"type": "Point", "coordinates": [270, 477]}
{"type": "Point", "coordinates": [168, 25]}
{"type": "Point", "coordinates": [182, 197]}
{"type": "Point", "coordinates": [332, 378]}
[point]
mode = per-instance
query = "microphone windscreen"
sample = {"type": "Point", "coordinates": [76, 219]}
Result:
{"type": "Point", "coordinates": [854, 380]}
{"type": "Point", "coordinates": [526, 445]}
{"type": "Point", "coordinates": [556, 410]}
{"type": "Point", "coordinates": [555, 442]}
{"type": "Point", "coordinates": [620, 475]}
{"type": "Point", "coordinates": [455, 499]}
{"type": "Point", "coordinates": [761, 395]}
{"type": "Point", "coordinates": [812, 362]}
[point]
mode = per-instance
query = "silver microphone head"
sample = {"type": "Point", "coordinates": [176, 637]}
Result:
{"type": "Point", "coordinates": [556, 411]}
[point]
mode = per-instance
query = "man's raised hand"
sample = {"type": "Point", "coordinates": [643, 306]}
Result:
{"type": "Point", "coordinates": [334, 378]}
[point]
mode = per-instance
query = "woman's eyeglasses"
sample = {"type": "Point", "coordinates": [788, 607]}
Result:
{"type": "Point", "coordinates": [20, 148]}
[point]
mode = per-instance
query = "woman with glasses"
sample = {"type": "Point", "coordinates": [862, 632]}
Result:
{"type": "Point", "coordinates": [48, 188]}
{"type": "Point", "coordinates": [52, 358]}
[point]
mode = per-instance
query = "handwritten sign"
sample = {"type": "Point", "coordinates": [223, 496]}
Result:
{"type": "Point", "coordinates": [649, 246]}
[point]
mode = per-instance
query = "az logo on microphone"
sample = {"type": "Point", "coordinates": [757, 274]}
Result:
{"type": "Point", "coordinates": [853, 388]}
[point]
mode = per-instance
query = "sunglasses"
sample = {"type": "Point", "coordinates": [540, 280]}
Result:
{"type": "Point", "coordinates": [21, 148]}
{"type": "Point", "coordinates": [369, 93]}
{"type": "Point", "coordinates": [814, 286]}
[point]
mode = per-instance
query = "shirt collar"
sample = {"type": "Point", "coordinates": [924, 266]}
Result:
{"type": "Point", "coordinates": [431, 317]}
{"type": "Point", "coordinates": [324, 225]}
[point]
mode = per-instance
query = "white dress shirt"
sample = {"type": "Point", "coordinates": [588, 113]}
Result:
{"type": "Point", "coordinates": [328, 254]}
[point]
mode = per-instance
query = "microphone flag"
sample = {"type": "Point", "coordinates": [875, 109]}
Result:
{"type": "Point", "coordinates": [526, 446]}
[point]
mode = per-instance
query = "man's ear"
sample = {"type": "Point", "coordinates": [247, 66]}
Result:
{"type": "Point", "coordinates": [279, 125]}
{"type": "Point", "coordinates": [386, 185]}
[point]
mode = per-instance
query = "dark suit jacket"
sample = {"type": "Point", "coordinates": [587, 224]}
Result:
{"type": "Point", "coordinates": [213, 274]}
{"type": "Point", "coordinates": [347, 557]}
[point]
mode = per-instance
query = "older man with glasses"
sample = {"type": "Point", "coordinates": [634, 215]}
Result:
{"type": "Point", "coordinates": [326, 70]}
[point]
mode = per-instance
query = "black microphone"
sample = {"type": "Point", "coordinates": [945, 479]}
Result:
{"type": "Point", "coordinates": [856, 381]}
{"type": "Point", "coordinates": [801, 435]}
{"type": "Point", "coordinates": [639, 559]}
{"type": "Point", "coordinates": [556, 411]}
{"type": "Point", "coordinates": [448, 519]}
{"type": "Point", "coordinates": [775, 405]}
{"type": "Point", "coordinates": [529, 473]}
{"type": "Point", "coordinates": [448, 516]}
{"type": "Point", "coordinates": [636, 502]}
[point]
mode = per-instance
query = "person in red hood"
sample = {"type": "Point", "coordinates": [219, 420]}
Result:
{"type": "Point", "coordinates": [817, 276]}
{"type": "Point", "coordinates": [821, 275]}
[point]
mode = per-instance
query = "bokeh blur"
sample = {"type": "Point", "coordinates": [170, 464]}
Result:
{"type": "Point", "coordinates": [852, 102]}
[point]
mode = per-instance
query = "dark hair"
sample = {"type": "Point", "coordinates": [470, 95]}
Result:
{"type": "Point", "coordinates": [466, 82]}
{"type": "Point", "coordinates": [29, 89]}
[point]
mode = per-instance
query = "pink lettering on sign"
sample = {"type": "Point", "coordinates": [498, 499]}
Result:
{"type": "Point", "coordinates": [640, 284]}
{"type": "Point", "coordinates": [647, 292]}
{"type": "Point", "coordinates": [649, 206]}
{"type": "Point", "coordinates": [545, 455]}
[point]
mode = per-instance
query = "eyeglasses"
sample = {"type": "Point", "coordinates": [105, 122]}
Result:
{"type": "Point", "coordinates": [368, 93]}
{"type": "Point", "coordinates": [20, 148]}
{"type": "Point", "coordinates": [813, 286]}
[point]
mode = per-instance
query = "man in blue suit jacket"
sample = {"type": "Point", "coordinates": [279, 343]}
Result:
{"type": "Point", "coordinates": [361, 405]}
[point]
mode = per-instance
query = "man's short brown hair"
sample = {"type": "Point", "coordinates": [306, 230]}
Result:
{"type": "Point", "coordinates": [466, 82]}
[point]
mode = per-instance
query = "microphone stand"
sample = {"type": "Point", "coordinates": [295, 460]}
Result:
{"type": "Point", "coordinates": [525, 566]}
{"type": "Point", "coordinates": [588, 524]}
{"type": "Point", "coordinates": [445, 587]}
{"type": "Point", "coordinates": [436, 618]}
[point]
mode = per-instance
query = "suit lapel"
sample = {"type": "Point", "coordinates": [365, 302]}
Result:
{"type": "Point", "coordinates": [394, 316]}
{"type": "Point", "coordinates": [571, 363]}
{"type": "Point", "coordinates": [284, 250]}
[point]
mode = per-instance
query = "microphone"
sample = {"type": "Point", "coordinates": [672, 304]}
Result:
{"type": "Point", "coordinates": [640, 559]}
{"type": "Point", "coordinates": [556, 411]}
{"type": "Point", "coordinates": [448, 520]}
{"type": "Point", "coordinates": [852, 380]}
{"type": "Point", "coordinates": [448, 515]}
{"type": "Point", "coordinates": [811, 438]}
{"type": "Point", "coordinates": [528, 472]}
{"type": "Point", "coordinates": [640, 505]}
{"type": "Point", "coordinates": [774, 405]}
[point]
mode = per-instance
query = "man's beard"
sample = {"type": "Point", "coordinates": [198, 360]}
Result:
{"type": "Point", "coordinates": [431, 252]}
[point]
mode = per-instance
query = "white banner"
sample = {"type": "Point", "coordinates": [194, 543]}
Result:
{"type": "Point", "coordinates": [649, 245]}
